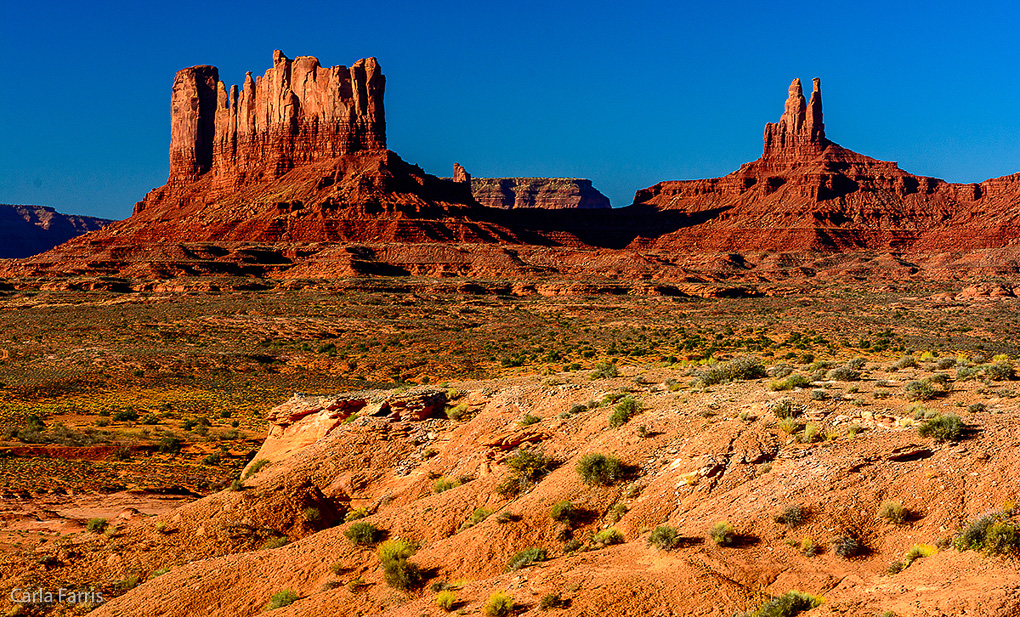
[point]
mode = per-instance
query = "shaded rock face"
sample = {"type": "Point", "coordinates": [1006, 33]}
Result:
{"type": "Point", "coordinates": [549, 193]}
{"type": "Point", "coordinates": [460, 175]}
{"type": "Point", "coordinates": [29, 230]}
{"type": "Point", "coordinates": [298, 112]}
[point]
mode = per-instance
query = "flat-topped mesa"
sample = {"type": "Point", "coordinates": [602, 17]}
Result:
{"type": "Point", "coordinates": [800, 133]}
{"type": "Point", "coordinates": [298, 112]}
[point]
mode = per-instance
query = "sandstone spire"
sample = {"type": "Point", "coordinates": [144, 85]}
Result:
{"type": "Point", "coordinates": [298, 112]}
{"type": "Point", "coordinates": [800, 131]}
{"type": "Point", "coordinates": [461, 175]}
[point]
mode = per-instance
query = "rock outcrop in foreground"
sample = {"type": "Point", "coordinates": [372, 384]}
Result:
{"type": "Point", "coordinates": [30, 230]}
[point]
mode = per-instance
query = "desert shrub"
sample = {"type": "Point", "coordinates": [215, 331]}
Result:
{"type": "Point", "coordinates": [599, 469]}
{"type": "Point", "coordinates": [362, 533]}
{"type": "Point", "coordinates": [918, 551]}
{"type": "Point", "coordinates": [945, 364]}
{"type": "Point", "coordinates": [791, 382]}
{"type": "Point", "coordinates": [921, 390]}
{"type": "Point", "coordinates": [578, 408]}
{"type": "Point", "coordinates": [446, 600]}
{"type": "Point", "coordinates": [819, 395]}
{"type": "Point", "coordinates": [550, 601]}
{"type": "Point", "coordinates": [444, 484]}
{"type": "Point", "coordinates": [787, 605]}
{"type": "Point", "coordinates": [904, 362]}
{"type": "Point", "coordinates": [855, 364]}
{"type": "Point", "coordinates": [818, 375]}
{"type": "Point", "coordinates": [281, 599]}
{"type": "Point", "coordinates": [256, 467]}
{"type": "Point", "coordinates": [976, 408]}
{"type": "Point", "coordinates": [355, 514]}
{"type": "Point", "coordinates": [792, 516]}
{"type": "Point", "coordinates": [664, 537]}
{"type": "Point", "coordinates": [808, 547]}
{"type": "Point", "coordinates": [529, 419]}
{"type": "Point", "coordinates": [605, 370]}
{"type": "Point", "coordinates": [894, 512]}
{"type": "Point", "coordinates": [511, 487]}
{"type": "Point", "coordinates": [617, 512]}
{"type": "Point", "coordinates": [994, 534]}
{"type": "Point", "coordinates": [528, 463]}
{"type": "Point", "coordinates": [941, 428]}
{"type": "Point", "coordinates": [624, 410]}
{"type": "Point", "coordinates": [780, 370]}
{"type": "Point", "coordinates": [1000, 371]}
{"type": "Point", "coordinates": [170, 444]}
{"type": "Point", "coordinates": [844, 373]}
{"type": "Point", "coordinates": [722, 534]}
{"type": "Point", "coordinates": [564, 512]}
{"type": "Point", "coordinates": [402, 574]}
{"type": "Point", "coordinates": [125, 415]}
{"type": "Point", "coordinates": [811, 433]}
{"type": "Point", "coordinates": [847, 546]}
{"type": "Point", "coordinates": [607, 537]}
{"type": "Point", "coordinates": [236, 485]}
{"type": "Point", "coordinates": [788, 425]}
{"type": "Point", "coordinates": [312, 515]}
{"type": "Point", "coordinates": [479, 515]}
{"type": "Point", "coordinates": [784, 409]}
{"type": "Point", "coordinates": [742, 368]}
{"type": "Point", "coordinates": [499, 604]}
{"type": "Point", "coordinates": [274, 542]}
{"type": "Point", "coordinates": [213, 459]}
{"type": "Point", "coordinates": [505, 517]}
{"type": "Point", "coordinates": [968, 373]}
{"type": "Point", "coordinates": [395, 550]}
{"type": "Point", "coordinates": [457, 412]}
{"type": "Point", "coordinates": [523, 559]}
{"type": "Point", "coordinates": [96, 525]}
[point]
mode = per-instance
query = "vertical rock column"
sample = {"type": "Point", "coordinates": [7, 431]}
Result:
{"type": "Point", "coordinates": [192, 123]}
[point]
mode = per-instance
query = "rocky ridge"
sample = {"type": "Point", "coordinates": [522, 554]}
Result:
{"type": "Point", "coordinates": [30, 230]}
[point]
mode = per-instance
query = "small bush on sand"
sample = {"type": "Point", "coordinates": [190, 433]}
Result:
{"type": "Point", "coordinates": [356, 514]}
{"type": "Point", "coordinates": [787, 605]}
{"type": "Point", "coordinates": [523, 559]}
{"type": "Point", "coordinates": [96, 525]}
{"type": "Point", "coordinates": [847, 546]}
{"type": "Point", "coordinates": [564, 512]}
{"type": "Point", "coordinates": [791, 382]}
{"type": "Point", "coordinates": [499, 604]}
{"type": "Point", "coordinates": [942, 428]}
{"type": "Point", "coordinates": [904, 362]}
{"type": "Point", "coordinates": [894, 512]}
{"type": "Point", "coordinates": [281, 599]}
{"type": "Point", "coordinates": [792, 516]}
{"type": "Point", "coordinates": [605, 370]}
{"type": "Point", "coordinates": [599, 469]}
{"type": "Point", "coordinates": [722, 534]}
{"type": "Point", "coordinates": [446, 600]}
{"type": "Point", "coordinates": [256, 467]}
{"type": "Point", "coordinates": [742, 368]}
{"type": "Point", "coordinates": [664, 537]}
{"type": "Point", "coordinates": [363, 533]}
{"type": "Point", "coordinates": [608, 537]}
{"type": "Point", "coordinates": [550, 601]}
{"type": "Point", "coordinates": [624, 410]}
{"type": "Point", "coordinates": [529, 464]}
{"type": "Point", "coordinates": [994, 534]}
{"type": "Point", "coordinates": [444, 484]}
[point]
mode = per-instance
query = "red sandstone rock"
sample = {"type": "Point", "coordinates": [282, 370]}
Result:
{"type": "Point", "coordinates": [460, 175]}
{"type": "Point", "coordinates": [548, 193]}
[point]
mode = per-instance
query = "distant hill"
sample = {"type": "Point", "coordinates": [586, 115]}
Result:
{"type": "Point", "coordinates": [30, 230]}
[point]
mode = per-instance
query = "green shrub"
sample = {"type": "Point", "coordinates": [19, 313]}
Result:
{"type": "Point", "coordinates": [784, 409]}
{"type": "Point", "coordinates": [742, 368]}
{"type": "Point", "coordinates": [605, 370]}
{"type": "Point", "coordinates": [792, 516]}
{"type": "Point", "coordinates": [395, 549]}
{"type": "Point", "coordinates": [564, 512]}
{"type": "Point", "coordinates": [529, 464]}
{"type": "Point", "coordinates": [96, 525]}
{"type": "Point", "coordinates": [312, 515]}
{"type": "Point", "coordinates": [780, 370]}
{"type": "Point", "coordinates": [968, 373]}
{"type": "Point", "coordinates": [894, 512]}
{"type": "Point", "coordinates": [624, 410]}
{"type": "Point", "coordinates": [945, 364]}
{"type": "Point", "coordinates": [274, 542]}
{"type": "Point", "coordinates": [787, 605]}
{"type": "Point", "coordinates": [529, 419]}
{"type": "Point", "coordinates": [976, 408]}
{"type": "Point", "coordinates": [126, 415]}
{"type": "Point", "coordinates": [664, 537]}
{"type": "Point", "coordinates": [578, 409]}
{"type": "Point", "coordinates": [599, 469]}
{"type": "Point", "coordinates": [607, 537]}
{"type": "Point", "coordinates": [444, 484]}
{"type": "Point", "coordinates": [363, 533]}
{"type": "Point", "coordinates": [722, 534]}
{"type": "Point", "coordinates": [281, 599]}
{"type": "Point", "coordinates": [847, 546]}
{"type": "Point", "coordinates": [402, 574]}
{"type": "Point", "coordinates": [551, 601]}
{"type": "Point", "coordinates": [791, 382]}
{"type": "Point", "coordinates": [356, 514]}
{"type": "Point", "coordinates": [942, 428]}
{"type": "Point", "coordinates": [523, 559]}
{"type": "Point", "coordinates": [1000, 371]}
{"type": "Point", "coordinates": [479, 515]}
{"type": "Point", "coordinates": [993, 534]}
{"type": "Point", "coordinates": [499, 604]}
{"type": "Point", "coordinates": [457, 412]}
{"type": "Point", "coordinates": [255, 467]}
{"type": "Point", "coordinates": [844, 373]}
{"type": "Point", "coordinates": [446, 600]}
{"type": "Point", "coordinates": [904, 362]}
{"type": "Point", "coordinates": [918, 551]}
{"type": "Point", "coordinates": [921, 390]}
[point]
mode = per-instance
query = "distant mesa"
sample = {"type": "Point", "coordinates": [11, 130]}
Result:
{"type": "Point", "coordinates": [29, 230]}
{"type": "Point", "coordinates": [547, 193]}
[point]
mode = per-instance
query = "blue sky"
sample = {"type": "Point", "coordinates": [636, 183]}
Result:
{"type": "Point", "coordinates": [624, 95]}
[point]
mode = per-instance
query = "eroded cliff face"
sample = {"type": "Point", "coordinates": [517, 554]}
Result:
{"type": "Point", "coordinates": [29, 230]}
{"type": "Point", "coordinates": [297, 113]}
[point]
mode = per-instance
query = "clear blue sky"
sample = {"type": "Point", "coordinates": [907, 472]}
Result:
{"type": "Point", "coordinates": [626, 96]}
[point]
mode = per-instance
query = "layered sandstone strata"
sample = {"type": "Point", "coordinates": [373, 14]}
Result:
{"type": "Point", "coordinates": [549, 193]}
